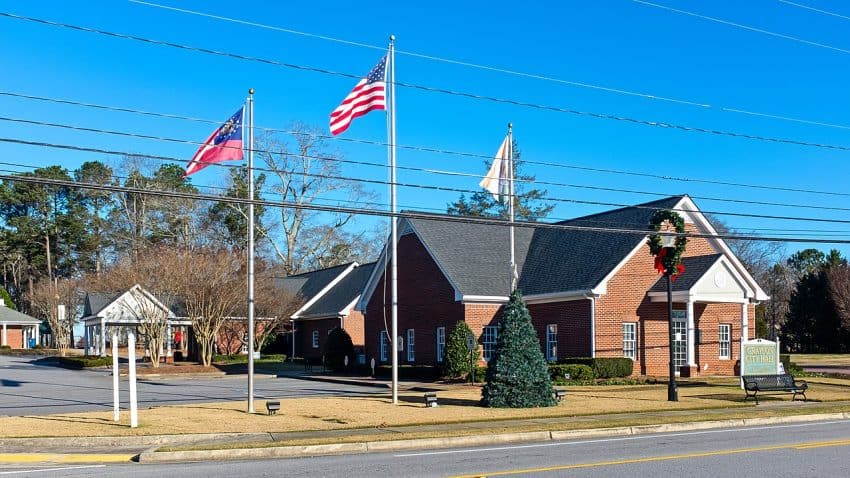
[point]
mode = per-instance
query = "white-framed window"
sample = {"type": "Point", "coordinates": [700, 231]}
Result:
{"type": "Point", "coordinates": [441, 344]}
{"type": "Point", "coordinates": [384, 340]}
{"type": "Point", "coordinates": [315, 339]}
{"type": "Point", "coordinates": [630, 340]}
{"type": "Point", "coordinates": [552, 342]}
{"type": "Point", "coordinates": [411, 353]}
{"type": "Point", "coordinates": [488, 340]}
{"type": "Point", "coordinates": [724, 339]}
{"type": "Point", "coordinates": [680, 338]}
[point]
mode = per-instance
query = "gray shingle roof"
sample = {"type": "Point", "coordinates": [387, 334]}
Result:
{"type": "Point", "coordinates": [475, 257]}
{"type": "Point", "coordinates": [97, 301]}
{"type": "Point", "coordinates": [309, 284]}
{"type": "Point", "coordinates": [342, 294]}
{"type": "Point", "coordinates": [695, 267]}
{"type": "Point", "coordinates": [11, 315]}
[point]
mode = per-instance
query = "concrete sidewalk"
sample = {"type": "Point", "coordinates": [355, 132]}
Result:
{"type": "Point", "coordinates": [276, 445]}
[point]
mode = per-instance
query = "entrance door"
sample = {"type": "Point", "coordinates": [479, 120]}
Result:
{"type": "Point", "coordinates": [680, 338]}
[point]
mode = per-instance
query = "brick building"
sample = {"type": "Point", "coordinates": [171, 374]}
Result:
{"type": "Point", "coordinates": [18, 330]}
{"type": "Point", "coordinates": [591, 293]}
{"type": "Point", "coordinates": [329, 297]}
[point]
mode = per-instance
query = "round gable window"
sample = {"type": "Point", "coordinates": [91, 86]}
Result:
{"type": "Point", "coordinates": [720, 279]}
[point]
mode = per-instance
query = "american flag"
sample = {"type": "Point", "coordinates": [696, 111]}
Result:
{"type": "Point", "coordinates": [368, 95]}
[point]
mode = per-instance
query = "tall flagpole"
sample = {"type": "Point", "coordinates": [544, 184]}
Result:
{"type": "Point", "coordinates": [251, 251]}
{"type": "Point", "coordinates": [394, 228]}
{"type": "Point", "coordinates": [513, 270]}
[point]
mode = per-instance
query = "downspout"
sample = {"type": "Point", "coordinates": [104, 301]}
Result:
{"type": "Point", "coordinates": [592, 299]}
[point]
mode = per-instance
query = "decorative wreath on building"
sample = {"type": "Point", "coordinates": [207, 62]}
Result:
{"type": "Point", "coordinates": [668, 260]}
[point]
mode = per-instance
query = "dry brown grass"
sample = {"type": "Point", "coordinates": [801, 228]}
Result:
{"type": "Point", "coordinates": [459, 404]}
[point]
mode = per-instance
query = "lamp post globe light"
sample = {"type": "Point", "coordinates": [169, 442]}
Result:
{"type": "Point", "coordinates": [667, 249]}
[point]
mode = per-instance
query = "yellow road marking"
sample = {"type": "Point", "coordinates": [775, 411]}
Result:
{"type": "Point", "coordinates": [796, 446]}
{"type": "Point", "coordinates": [64, 458]}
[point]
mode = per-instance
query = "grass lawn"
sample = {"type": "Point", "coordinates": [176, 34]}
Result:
{"type": "Point", "coordinates": [457, 404]}
{"type": "Point", "coordinates": [814, 360]}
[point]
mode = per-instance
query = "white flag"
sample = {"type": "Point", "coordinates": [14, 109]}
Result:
{"type": "Point", "coordinates": [496, 180]}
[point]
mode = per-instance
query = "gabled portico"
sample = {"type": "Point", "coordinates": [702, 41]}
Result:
{"type": "Point", "coordinates": [709, 279]}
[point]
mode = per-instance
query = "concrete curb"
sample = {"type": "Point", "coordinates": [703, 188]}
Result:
{"type": "Point", "coordinates": [314, 378]}
{"type": "Point", "coordinates": [132, 441]}
{"type": "Point", "coordinates": [468, 441]}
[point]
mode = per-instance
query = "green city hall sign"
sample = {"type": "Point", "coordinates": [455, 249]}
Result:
{"type": "Point", "coordinates": [760, 357]}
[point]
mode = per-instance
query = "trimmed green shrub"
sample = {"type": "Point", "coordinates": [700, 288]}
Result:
{"type": "Point", "coordinates": [337, 347]}
{"type": "Point", "coordinates": [459, 359]}
{"type": "Point", "coordinates": [409, 372]}
{"type": "Point", "coordinates": [79, 363]}
{"type": "Point", "coordinates": [604, 367]}
{"type": "Point", "coordinates": [577, 372]}
{"type": "Point", "coordinates": [517, 375]}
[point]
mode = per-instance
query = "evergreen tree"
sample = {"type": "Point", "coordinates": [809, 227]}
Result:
{"type": "Point", "coordinates": [528, 203]}
{"type": "Point", "coordinates": [6, 298]}
{"type": "Point", "coordinates": [459, 359]}
{"type": "Point", "coordinates": [337, 347]}
{"type": "Point", "coordinates": [517, 375]}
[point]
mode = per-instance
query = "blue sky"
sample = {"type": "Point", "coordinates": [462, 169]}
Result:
{"type": "Point", "coordinates": [617, 44]}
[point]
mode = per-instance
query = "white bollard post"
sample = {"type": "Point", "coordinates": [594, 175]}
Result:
{"type": "Point", "coordinates": [131, 353]}
{"type": "Point", "coordinates": [115, 398]}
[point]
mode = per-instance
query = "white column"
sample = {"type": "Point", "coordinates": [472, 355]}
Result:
{"type": "Point", "coordinates": [131, 353]}
{"type": "Point", "coordinates": [103, 337]}
{"type": "Point", "coordinates": [4, 334]}
{"type": "Point", "coordinates": [691, 335]}
{"type": "Point", "coordinates": [169, 340]}
{"type": "Point", "coordinates": [745, 328]}
{"type": "Point", "coordinates": [85, 340]}
{"type": "Point", "coordinates": [115, 399]}
{"type": "Point", "coordinates": [37, 337]}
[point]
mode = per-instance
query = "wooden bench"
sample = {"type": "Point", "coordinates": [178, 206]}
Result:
{"type": "Point", "coordinates": [753, 384]}
{"type": "Point", "coordinates": [430, 399]}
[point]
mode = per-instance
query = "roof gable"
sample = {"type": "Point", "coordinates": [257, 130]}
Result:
{"type": "Point", "coordinates": [339, 298]}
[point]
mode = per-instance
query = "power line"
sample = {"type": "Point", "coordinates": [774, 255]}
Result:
{"type": "Point", "coordinates": [462, 94]}
{"type": "Point", "coordinates": [746, 27]}
{"type": "Point", "coordinates": [441, 151]}
{"type": "Point", "coordinates": [779, 232]}
{"type": "Point", "coordinates": [404, 214]}
{"type": "Point", "coordinates": [806, 7]}
{"type": "Point", "coordinates": [418, 186]}
{"type": "Point", "coordinates": [536, 76]}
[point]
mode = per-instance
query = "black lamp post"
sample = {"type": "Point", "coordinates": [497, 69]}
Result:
{"type": "Point", "coordinates": [672, 388]}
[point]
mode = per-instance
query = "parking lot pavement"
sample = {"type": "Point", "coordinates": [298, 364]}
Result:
{"type": "Point", "coordinates": [35, 386]}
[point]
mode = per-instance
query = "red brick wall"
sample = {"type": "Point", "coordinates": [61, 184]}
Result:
{"type": "Point", "coordinates": [14, 336]}
{"type": "Point", "coordinates": [425, 302]}
{"type": "Point", "coordinates": [573, 321]}
{"type": "Point", "coordinates": [626, 301]}
{"type": "Point", "coordinates": [354, 325]}
{"type": "Point", "coordinates": [304, 336]}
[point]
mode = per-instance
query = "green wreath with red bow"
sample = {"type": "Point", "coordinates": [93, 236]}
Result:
{"type": "Point", "coordinates": [668, 260]}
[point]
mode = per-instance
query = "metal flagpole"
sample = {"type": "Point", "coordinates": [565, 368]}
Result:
{"type": "Point", "coordinates": [251, 251]}
{"type": "Point", "coordinates": [394, 228]}
{"type": "Point", "coordinates": [513, 271]}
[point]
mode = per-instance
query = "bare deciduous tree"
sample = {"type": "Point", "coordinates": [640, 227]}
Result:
{"type": "Point", "coordinates": [46, 297]}
{"type": "Point", "coordinates": [839, 289]}
{"type": "Point", "coordinates": [303, 170]}
{"type": "Point", "coordinates": [212, 291]}
{"type": "Point", "coordinates": [158, 271]}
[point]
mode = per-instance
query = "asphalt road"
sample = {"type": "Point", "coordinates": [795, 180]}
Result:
{"type": "Point", "coordinates": [28, 387]}
{"type": "Point", "coordinates": [803, 449]}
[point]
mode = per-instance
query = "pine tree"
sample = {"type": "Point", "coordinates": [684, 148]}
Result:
{"type": "Point", "coordinates": [517, 375]}
{"type": "Point", "coordinates": [459, 359]}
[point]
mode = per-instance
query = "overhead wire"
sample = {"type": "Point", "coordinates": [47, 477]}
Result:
{"type": "Point", "coordinates": [508, 71]}
{"type": "Point", "coordinates": [462, 94]}
{"type": "Point", "coordinates": [426, 170]}
{"type": "Point", "coordinates": [745, 27]}
{"type": "Point", "coordinates": [417, 186]}
{"type": "Point", "coordinates": [403, 214]}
